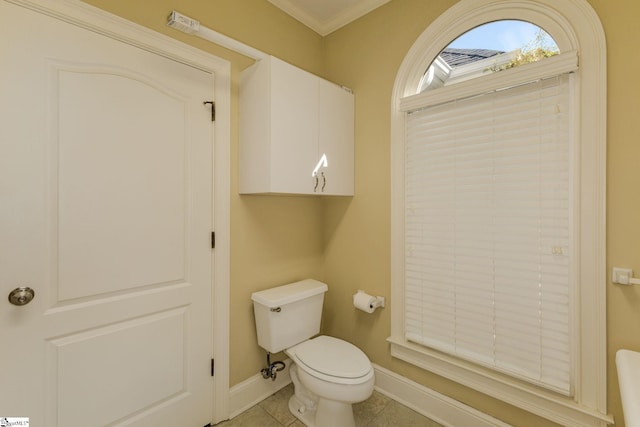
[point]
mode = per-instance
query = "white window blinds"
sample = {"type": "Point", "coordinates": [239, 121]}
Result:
{"type": "Point", "coordinates": [488, 238]}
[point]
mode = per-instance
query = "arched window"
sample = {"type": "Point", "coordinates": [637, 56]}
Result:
{"type": "Point", "coordinates": [498, 269]}
{"type": "Point", "coordinates": [488, 48]}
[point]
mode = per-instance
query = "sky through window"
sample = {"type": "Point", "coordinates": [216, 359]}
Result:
{"type": "Point", "coordinates": [504, 36]}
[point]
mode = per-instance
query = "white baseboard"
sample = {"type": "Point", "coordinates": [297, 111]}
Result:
{"type": "Point", "coordinates": [255, 389]}
{"type": "Point", "coordinates": [431, 404]}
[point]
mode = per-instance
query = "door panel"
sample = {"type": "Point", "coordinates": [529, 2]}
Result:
{"type": "Point", "coordinates": [106, 212]}
{"type": "Point", "coordinates": [145, 243]}
{"type": "Point", "coordinates": [125, 356]}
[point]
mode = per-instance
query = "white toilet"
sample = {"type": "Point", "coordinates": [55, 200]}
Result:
{"type": "Point", "coordinates": [328, 374]}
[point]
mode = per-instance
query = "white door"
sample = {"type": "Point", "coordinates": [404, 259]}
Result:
{"type": "Point", "coordinates": [106, 213]}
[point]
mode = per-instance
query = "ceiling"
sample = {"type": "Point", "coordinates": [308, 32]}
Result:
{"type": "Point", "coordinates": [326, 16]}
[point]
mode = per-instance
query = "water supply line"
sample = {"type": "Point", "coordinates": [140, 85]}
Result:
{"type": "Point", "coordinates": [272, 369]}
{"type": "Point", "coordinates": [191, 26]}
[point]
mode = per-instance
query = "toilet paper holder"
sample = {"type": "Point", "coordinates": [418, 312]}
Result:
{"type": "Point", "coordinates": [366, 302]}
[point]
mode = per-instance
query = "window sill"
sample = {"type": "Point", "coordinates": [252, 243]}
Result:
{"type": "Point", "coordinates": [549, 405]}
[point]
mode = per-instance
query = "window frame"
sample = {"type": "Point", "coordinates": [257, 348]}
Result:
{"type": "Point", "coordinates": [575, 27]}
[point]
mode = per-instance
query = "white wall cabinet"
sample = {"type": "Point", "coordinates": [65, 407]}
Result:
{"type": "Point", "coordinates": [296, 132]}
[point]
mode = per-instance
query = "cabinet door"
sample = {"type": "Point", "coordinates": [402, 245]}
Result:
{"type": "Point", "coordinates": [294, 132]}
{"type": "Point", "coordinates": [336, 135]}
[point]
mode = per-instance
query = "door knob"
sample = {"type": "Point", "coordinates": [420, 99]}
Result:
{"type": "Point", "coordinates": [21, 296]}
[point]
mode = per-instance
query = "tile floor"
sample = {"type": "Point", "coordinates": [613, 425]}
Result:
{"type": "Point", "coordinates": [377, 411]}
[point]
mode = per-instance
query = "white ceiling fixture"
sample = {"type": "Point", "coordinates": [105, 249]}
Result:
{"type": "Point", "coordinates": [326, 16]}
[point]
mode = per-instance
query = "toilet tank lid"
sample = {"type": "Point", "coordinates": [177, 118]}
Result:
{"type": "Point", "coordinates": [285, 294]}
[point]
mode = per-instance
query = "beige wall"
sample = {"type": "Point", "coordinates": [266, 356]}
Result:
{"type": "Point", "coordinates": [620, 22]}
{"type": "Point", "coordinates": [345, 241]}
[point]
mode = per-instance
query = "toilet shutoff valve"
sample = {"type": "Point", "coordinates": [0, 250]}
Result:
{"type": "Point", "coordinates": [272, 369]}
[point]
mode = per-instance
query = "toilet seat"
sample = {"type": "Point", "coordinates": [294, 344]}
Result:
{"type": "Point", "coordinates": [333, 360]}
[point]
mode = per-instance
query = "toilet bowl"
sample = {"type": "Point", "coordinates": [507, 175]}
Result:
{"type": "Point", "coordinates": [329, 375]}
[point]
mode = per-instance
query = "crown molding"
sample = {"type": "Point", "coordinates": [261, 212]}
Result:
{"type": "Point", "coordinates": [303, 12]}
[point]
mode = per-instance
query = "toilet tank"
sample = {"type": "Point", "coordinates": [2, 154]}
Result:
{"type": "Point", "coordinates": [289, 314]}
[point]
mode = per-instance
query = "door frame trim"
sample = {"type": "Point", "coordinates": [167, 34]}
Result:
{"type": "Point", "coordinates": [107, 24]}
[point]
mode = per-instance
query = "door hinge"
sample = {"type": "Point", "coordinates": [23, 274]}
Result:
{"type": "Point", "coordinates": [213, 367]}
{"type": "Point", "coordinates": [213, 109]}
{"type": "Point", "coordinates": [213, 240]}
